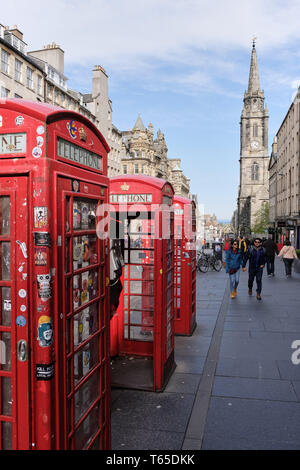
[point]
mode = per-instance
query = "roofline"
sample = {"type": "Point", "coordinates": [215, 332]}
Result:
{"type": "Point", "coordinates": [151, 180]}
{"type": "Point", "coordinates": [25, 57]}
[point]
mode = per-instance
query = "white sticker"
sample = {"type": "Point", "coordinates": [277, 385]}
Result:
{"type": "Point", "coordinates": [40, 141]}
{"type": "Point", "coordinates": [1, 121]}
{"type": "Point", "coordinates": [36, 152]}
{"type": "Point", "coordinates": [40, 130]}
{"type": "Point", "coordinates": [23, 248]}
{"type": "Point", "coordinates": [7, 305]}
{"type": "Point", "coordinates": [23, 308]}
{"type": "Point", "coordinates": [22, 293]}
{"type": "Point", "coordinates": [19, 121]}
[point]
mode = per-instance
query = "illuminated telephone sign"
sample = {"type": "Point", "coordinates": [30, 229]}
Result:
{"type": "Point", "coordinates": [12, 143]}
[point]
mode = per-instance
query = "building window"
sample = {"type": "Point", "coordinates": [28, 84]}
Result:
{"type": "Point", "coordinates": [125, 169]}
{"type": "Point", "coordinates": [136, 168]}
{"type": "Point", "coordinates": [255, 130]}
{"type": "Point", "coordinates": [4, 92]}
{"type": "Point", "coordinates": [4, 61]}
{"type": "Point", "coordinates": [56, 95]}
{"type": "Point", "coordinates": [18, 70]}
{"type": "Point", "coordinates": [39, 85]}
{"type": "Point", "coordinates": [18, 96]}
{"type": "Point", "coordinates": [29, 78]}
{"type": "Point", "coordinates": [49, 92]}
{"type": "Point", "coordinates": [254, 172]}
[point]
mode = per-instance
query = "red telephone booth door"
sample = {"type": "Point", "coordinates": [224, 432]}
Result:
{"type": "Point", "coordinates": [14, 340]}
{"type": "Point", "coordinates": [83, 347]}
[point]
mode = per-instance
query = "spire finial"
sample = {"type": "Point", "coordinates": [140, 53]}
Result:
{"type": "Point", "coordinates": [253, 84]}
{"type": "Point", "coordinates": [254, 41]}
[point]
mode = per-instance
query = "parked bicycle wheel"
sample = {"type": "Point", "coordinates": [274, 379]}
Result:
{"type": "Point", "coordinates": [203, 265]}
{"type": "Point", "coordinates": [217, 265]}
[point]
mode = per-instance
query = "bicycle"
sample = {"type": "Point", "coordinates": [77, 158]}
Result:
{"type": "Point", "coordinates": [204, 262]}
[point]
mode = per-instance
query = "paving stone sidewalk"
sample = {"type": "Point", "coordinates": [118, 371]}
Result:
{"type": "Point", "coordinates": [235, 386]}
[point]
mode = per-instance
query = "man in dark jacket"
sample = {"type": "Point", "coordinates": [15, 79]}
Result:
{"type": "Point", "coordinates": [257, 259]}
{"type": "Point", "coordinates": [271, 248]}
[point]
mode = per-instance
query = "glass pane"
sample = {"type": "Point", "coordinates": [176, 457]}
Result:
{"type": "Point", "coordinates": [84, 214]}
{"type": "Point", "coordinates": [138, 256]}
{"type": "Point", "coordinates": [67, 255]}
{"type": "Point", "coordinates": [85, 324]}
{"type": "Point", "coordinates": [67, 215]}
{"type": "Point", "coordinates": [141, 334]}
{"type": "Point", "coordinates": [86, 359]}
{"type": "Point", "coordinates": [4, 215]}
{"type": "Point", "coordinates": [85, 287]}
{"type": "Point", "coordinates": [87, 429]}
{"type": "Point", "coordinates": [6, 400]}
{"type": "Point", "coordinates": [139, 272]}
{"type": "Point", "coordinates": [5, 261]}
{"type": "Point", "coordinates": [6, 436]}
{"type": "Point", "coordinates": [85, 251]}
{"type": "Point", "coordinates": [5, 318]}
{"type": "Point", "coordinates": [86, 395]}
{"type": "Point", "coordinates": [141, 302]}
{"type": "Point", "coordinates": [5, 351]}
{"type": "Point", "coordinates": [139, 287]}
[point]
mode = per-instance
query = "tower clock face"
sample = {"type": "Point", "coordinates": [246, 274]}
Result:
{"type": "Point", "coordinates": [254, 145]}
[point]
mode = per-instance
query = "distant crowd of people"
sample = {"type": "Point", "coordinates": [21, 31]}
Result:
{"type": "Point", "coordinates": [259, 252]}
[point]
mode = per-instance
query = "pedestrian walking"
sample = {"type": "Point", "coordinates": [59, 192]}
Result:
{"type": "Point", "coordinates": [288, 254]}
{"type": "Point", "coordinates": [234, 261]}
{"type": "Point", "coordinates": [257, 259]}
{"type": "Point", "coordinates": [271, 248]}
{"type": "Point", "coordinates": [225, 248]}
{"type": "Point", "coordinates": [242, 245]}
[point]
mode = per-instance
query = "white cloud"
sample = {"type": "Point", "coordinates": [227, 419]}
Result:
{"type": "Point", "coordinates": [126, 33]}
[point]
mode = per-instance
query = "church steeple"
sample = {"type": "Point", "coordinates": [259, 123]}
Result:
{"type": "Point", "coordinates": [253, 84]}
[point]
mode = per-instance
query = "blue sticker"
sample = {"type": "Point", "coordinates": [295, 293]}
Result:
{"type": "Point", "coordinates": [21, 321]}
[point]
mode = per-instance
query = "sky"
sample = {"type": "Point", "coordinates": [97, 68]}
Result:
{"type": "Point", "coordinates": [183, 65]}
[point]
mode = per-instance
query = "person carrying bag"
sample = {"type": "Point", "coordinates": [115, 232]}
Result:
{"type": "Point", "coordinates": [288, 254]}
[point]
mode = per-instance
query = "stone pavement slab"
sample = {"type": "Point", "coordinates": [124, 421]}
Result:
{"type": "Point", "coordinates": [234, 386]}
{"type": "Point", "coordinates": [244, 424]}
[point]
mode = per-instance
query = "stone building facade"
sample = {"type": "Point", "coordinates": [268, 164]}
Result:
{"type": "Point", "coordinates": [39, 75]}
{"type": "Point", "coordinates": [286, 176]}
{"type": "Point", "coordinates": [144, 154]}
{"type": "Point", "coordinates": [254, 159]}
{"type": "Point", "coordinates": [20, 75]}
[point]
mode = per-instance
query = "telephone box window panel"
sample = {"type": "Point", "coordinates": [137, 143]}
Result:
{"type": "Point", "coordinates": [13, 144]}
{"type": "Point", "coordinates": [4, 215]}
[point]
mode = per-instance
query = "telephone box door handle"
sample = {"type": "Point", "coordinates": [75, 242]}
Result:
{"type": "Point", "coordinates": [22, 350]}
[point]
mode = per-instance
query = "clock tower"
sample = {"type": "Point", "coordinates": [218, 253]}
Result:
{"type": "Point", "coordinates": [254, 158]}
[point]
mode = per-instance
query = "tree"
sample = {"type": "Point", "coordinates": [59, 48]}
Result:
{"type": "Point", "coordinates": [261, 219]}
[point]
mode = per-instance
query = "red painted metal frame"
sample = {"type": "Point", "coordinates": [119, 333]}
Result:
{"type": "Point", "coordinates": [185, 266]}
{"type": "Point", "coordinates": [13, 370]}
{"type": "Point", "coordinates": [38, 406]}
{"type": "Point", "coordinates": [159, 345]}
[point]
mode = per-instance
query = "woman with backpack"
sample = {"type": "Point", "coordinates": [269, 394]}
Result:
{"type": "Point", "coordinates": [288, 254]}
{"type": "Point", "coordinates": [234, 260]}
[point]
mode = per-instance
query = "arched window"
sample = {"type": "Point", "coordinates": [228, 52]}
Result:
{"type": "Point", "coordinates": [254, 172]}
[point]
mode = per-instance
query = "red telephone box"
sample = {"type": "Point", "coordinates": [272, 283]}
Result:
{"type": "Point", "coordinates": [54, 324]}
{"type": "Point", "coordinates": [185, 266]}
{"type": "Point", "coordinates": [144, 322]}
